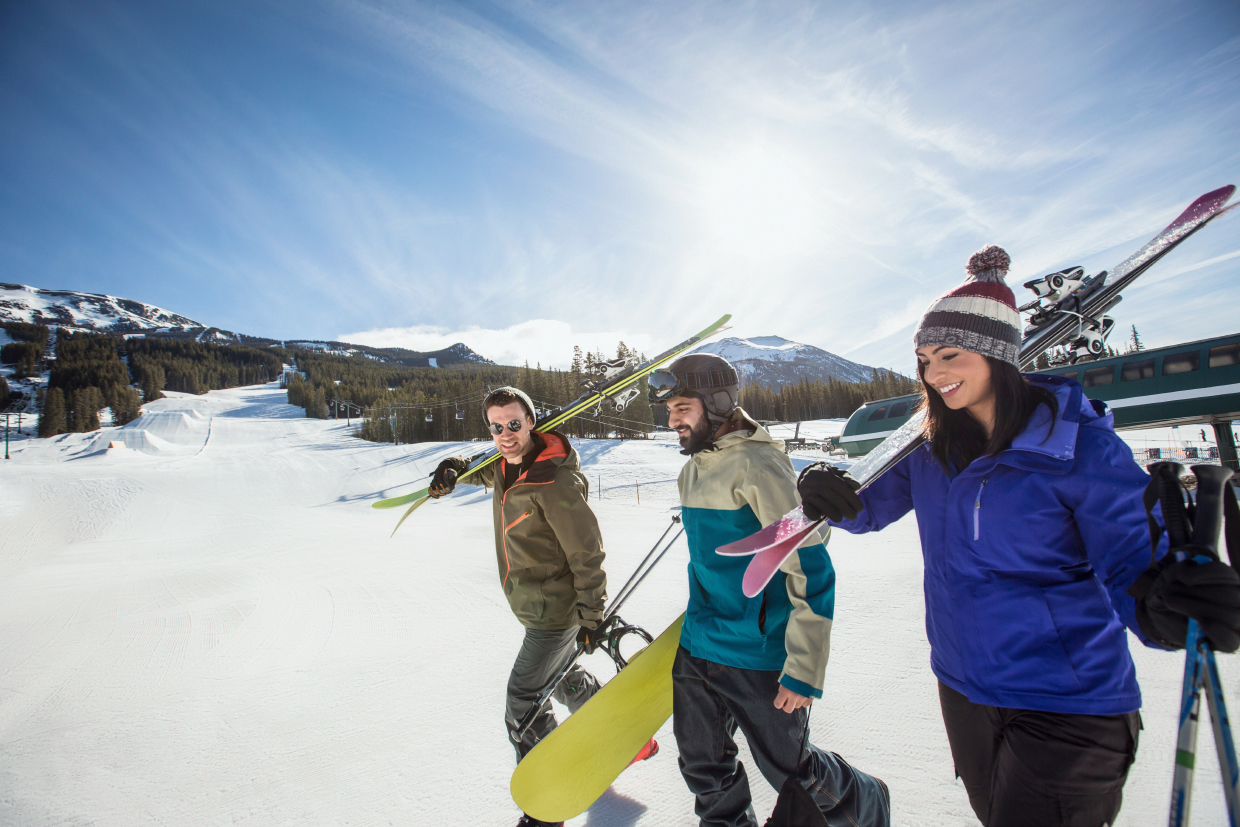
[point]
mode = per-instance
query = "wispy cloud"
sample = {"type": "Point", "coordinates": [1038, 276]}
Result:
{"type": "Point", "coordinates": [820, 170]}
{"type": "Point", "coordinates": [545, 342]}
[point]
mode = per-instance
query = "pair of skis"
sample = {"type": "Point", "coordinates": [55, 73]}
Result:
{"type": "Point", "coordinates": [1067, 311]}
{"type": "Point", "coordinates": [618, 384]}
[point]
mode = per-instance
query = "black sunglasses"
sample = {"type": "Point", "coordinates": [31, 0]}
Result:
{"type": "Point", "coordinates": [514, 426]}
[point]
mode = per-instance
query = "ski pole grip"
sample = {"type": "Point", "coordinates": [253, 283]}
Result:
{"type": "Point", "coordinates": [1175, 516]}
{"type": "Point", "coordinates": [1212, 481]}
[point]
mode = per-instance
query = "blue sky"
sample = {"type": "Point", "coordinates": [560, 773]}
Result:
{"type": "Point", "coordinates": [526, 176]}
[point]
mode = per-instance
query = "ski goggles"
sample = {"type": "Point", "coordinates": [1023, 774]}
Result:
{"type": "Point", "coordinates": [662, 384]}
{"type": "Point", "coordinates": [514, 426]}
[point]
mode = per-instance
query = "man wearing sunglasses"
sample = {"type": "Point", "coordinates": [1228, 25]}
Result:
{"type": "Point", "coordinates": [550, 556]}
{"type": "Point", "coordinates": [754, 664]}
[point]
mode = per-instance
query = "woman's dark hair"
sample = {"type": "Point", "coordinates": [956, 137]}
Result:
{"type": "Point", "coordinates": [956, 438]}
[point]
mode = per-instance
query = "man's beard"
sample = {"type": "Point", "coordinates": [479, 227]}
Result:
{"type": "Point", "coordinates": [698, 439]}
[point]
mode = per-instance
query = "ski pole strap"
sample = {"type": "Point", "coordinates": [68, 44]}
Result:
{"type": "Point", "coordinates": [1231, 526]}
{"type": "Point", "coordinates": [1166, 490]}
{"type": "Point", "coordinates": [804, 740]}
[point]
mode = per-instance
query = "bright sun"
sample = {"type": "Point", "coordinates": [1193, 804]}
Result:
{"type": "Point", "coordinates": [760, 202]}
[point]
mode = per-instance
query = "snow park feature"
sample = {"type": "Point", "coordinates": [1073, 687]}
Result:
{"type": "Point", "coordinates": [225, 636]}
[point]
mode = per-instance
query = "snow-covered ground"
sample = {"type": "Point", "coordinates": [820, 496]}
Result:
{"type": "Point", "coordinates": [218, 629]}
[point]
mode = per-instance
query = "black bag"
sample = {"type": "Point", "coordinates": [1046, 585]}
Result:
{"type": "Point", "coordinates": [795, 807]}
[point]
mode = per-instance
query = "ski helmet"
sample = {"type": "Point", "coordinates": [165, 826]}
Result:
{"type": "Point", "coordinates": [703, 376]}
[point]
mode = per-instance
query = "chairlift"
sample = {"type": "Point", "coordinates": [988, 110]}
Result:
{"type": "Point", "coordinates": [460, 414]}
{"type": "Point", "coordinates": [430, 417]}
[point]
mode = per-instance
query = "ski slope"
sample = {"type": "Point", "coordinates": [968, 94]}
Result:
{"type": "Point", "coordinates": [219, 630]}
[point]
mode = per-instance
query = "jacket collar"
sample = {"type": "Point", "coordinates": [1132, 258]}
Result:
{"type": "Point", "coordinates": [1035, 449]}
{"type": "Point", "coordinates": [740, 428]}
{"type": "Point", "coordinates": [548, 451]}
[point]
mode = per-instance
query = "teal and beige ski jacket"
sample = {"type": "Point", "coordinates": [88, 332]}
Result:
{"type": "Point", "coordinates": [728, 492]}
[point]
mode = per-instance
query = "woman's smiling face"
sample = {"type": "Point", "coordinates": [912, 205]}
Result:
{"type": "Point", "coordinates": [960, 377]}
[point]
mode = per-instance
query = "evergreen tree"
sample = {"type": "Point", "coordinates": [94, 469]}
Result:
{"type": "Point", "coordinates": [1042, 362]}
{"type": "Point", "coordinates": [317, 409]}
{"type": "Point", "coordinates": [52, 420]}
{"type": "Point", "coordinates": [84, 409]}
{"type": "Point", "coordinates": [4, 393]}
{"type": "Point", "coordinates": [1134, 343]}
{"type": "Point", "coordinates": [126, 406]}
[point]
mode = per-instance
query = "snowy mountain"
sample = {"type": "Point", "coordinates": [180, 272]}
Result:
{"type": "Point", "coordinates": [109, 314]}
{"type": "Point", "coordinates": [90, 311]}
{"type": "Point", "coordinates": [774, 361]}
{"type": "Point", "coordinates": [457, 354]}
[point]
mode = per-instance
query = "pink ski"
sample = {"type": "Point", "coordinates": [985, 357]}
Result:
{"type": "Point", "coordinates": [793, 523]}
{"type": "Point", "coordinates": [766, 562]}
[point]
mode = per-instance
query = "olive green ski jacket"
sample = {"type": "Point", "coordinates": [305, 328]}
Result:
{"type": "Point", "coordinates": [547, 540]}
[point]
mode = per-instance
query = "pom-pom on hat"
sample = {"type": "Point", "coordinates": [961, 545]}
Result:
{"type": "Point", "coordinates": [979, 315]}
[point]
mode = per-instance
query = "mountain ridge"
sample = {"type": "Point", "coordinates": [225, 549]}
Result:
{"type": "Point", "coordinates": [101, 313]}
{"type": "Point", "coordinates": [774, 361]}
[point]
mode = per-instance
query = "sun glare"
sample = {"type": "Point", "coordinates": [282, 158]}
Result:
{"type": "Point", "coordinates": [760, 202]}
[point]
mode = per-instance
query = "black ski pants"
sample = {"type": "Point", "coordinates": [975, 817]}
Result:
{"type": "Point", "coordinates": [542, 655]}
{"type": "Point", "coordinates": [1041, 769]}
{"type": "Point", "coordinates": [710, 701]}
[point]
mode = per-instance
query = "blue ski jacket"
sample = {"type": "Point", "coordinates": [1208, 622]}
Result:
{"type": "Point", "coordinates": [1028, 555]}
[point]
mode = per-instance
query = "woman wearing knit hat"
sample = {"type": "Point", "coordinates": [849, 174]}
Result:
{"type": "Point", "coordinates": [1030, 512]}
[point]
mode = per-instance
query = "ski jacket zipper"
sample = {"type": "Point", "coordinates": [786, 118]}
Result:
{"type": "Point", "coordinates": [502, 501]}
{"type": "Point", "coordinates": [977, 510]}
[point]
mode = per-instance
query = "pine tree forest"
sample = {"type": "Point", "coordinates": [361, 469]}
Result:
{"type": "Point", "coordinates": [814, 399]}
{"type": "Point", "coordinates": [408, 405]}
{"type": "Point", "coordinates": [90, 373]}
{"type": "Point", "coordinates": [391, 402]}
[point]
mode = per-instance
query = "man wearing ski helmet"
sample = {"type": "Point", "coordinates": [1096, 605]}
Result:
{"type": "Point", "coordinates": [753, 664]}
{"type": "Point", "coordinates": [550, 555]}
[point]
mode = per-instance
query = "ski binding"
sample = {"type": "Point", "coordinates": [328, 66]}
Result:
{"type": "Point", "coordinates": [1056, 287]}
{"type": "Point", "coordinates": [621, 400]}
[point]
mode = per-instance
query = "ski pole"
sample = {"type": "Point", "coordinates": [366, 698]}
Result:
{"type": "Point", "coordinates": [614, 636]}
{"type": "Point", "coordinates": [1200, 666]}
{"type": "Point", "coordinates": [634, 581]}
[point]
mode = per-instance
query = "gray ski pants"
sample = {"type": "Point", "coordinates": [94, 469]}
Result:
{"type": "Point", "coordinates": [543, 654]}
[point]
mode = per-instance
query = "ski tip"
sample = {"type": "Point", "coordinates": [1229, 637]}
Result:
{"type": "Point", "coordinates": [714, 328]}
{"type": "Point", "coordinates": [1205, 205]}
{"type": "Point", "coordinates": [393, 502]}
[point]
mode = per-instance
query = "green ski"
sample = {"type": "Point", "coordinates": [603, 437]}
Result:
{"type": "Point", "coordinates": [598, 391]}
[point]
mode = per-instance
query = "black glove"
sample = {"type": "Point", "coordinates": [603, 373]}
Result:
{"type": "Point", "coordinates": [444, 478]}
{"type": "Point", "coordinates": [1172, 591]}
{"type": "Point", "coordinates": [827, 491]}
{"type": "Point", "coordinates": [590, 638]}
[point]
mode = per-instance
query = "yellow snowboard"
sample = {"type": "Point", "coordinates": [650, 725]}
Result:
{"type": "Point", "coordinates": [575, 764]}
